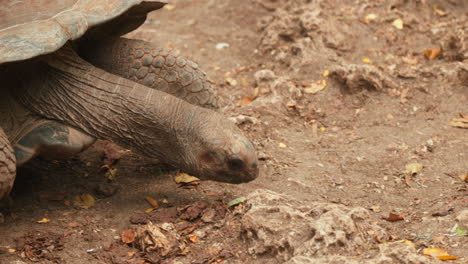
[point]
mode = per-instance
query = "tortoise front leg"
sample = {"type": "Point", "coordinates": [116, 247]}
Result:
{"type": "Point", "coordinates": [51, 140]}
{"type": "Point", "coordinates": [153, 66]}
{"type": "Point", "coordinates": [7, 166]}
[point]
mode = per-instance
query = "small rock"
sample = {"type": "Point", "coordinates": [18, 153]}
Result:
{"type": "Point", "coordinates": [243, 119]}
{"type": "Point", "coordinates": [263, 76]}
{"type": "Point", "coordinates": [209, 215]}
{"type": "Point", "coordinates": [106, 190]}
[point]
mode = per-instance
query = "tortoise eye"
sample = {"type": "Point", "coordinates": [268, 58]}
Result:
{"type": "Point", "coordinates": [235, 164]}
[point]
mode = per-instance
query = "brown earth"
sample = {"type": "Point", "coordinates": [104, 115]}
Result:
{"type": "Point", "coordinates": [385, 105]}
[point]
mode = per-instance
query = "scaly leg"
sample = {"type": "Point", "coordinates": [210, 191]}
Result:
{"type": "Point", "coordinates": [156, 67]}
{"type": "Point", "coordinates": [7, 166]}
{"type": "Point", "coordinates": [51, 140]}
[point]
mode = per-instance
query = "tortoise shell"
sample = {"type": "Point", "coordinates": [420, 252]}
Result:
{"type": "Point", "coordinates": [32, 28]}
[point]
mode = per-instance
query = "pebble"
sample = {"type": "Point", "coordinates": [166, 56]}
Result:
{"type": "Point", "coordinates": [222, 45]}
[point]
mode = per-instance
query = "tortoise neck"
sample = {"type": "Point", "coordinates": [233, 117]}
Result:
{"type": "Point", "coordinates": [64, 87]}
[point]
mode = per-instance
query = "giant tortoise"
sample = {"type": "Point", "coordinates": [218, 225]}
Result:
{"type": "Point", "coordinates": [69, 78]}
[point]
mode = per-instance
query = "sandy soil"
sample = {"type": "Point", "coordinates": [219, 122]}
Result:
{"type": "Point", "coordinates": [384, 104]}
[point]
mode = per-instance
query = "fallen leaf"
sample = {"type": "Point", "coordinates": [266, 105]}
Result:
{"type": "Point", "coordinates": [438, 253]}
{"type": "Point", "coordinates": [316, 87]}
{"type": "Point", "coordinates": [369, 18]}
{"type": "Point", "coordinates": [464, 177]}
{"type": "Point", "coordinates": [169, 7]}
{"type": "Point", "coordinates": [432, 54]}
{"type": "Point", "coordinates": [398, 23]}
{"type": "Point", "coordinates": [459, 122]}
{"type": "Point", "coordinates": [439, 11]}
{"type": "Point", "coordinates": [11, 250]}
{"type": "Point", "coordinates": [250, 98]}
{"type": "Point", "coordinates": [149, 210]}
{"type": "Point", "coordinates": [236, 201]}
{"type": "Point", "coordinates": [460, 231]}
{"type": "Point", "coordinates": [152, 202]}
{"type": "Point", "coordinates": [128, 236]}
{"type": "Point", "coordinates": [193, 238]}
{"type": "Point", "coordinates": [43, 221]}
{"type": "Point", "coordinates": [183, 177]}
{"type": "Point", "coordinates": [231, 81]}
{"type": "Point", "coordinates": [366, 60]}
{"type": "Point", "coordinates": [84, 201]}
{"type": "Point", "coordinates": [392, 217]}
{"type": "Point", "coordinates": [66, 202]}
{"type": "Point", "coordinates": [413, 168]}
{"type": "Point", "coordinates": [111, 173]}
{"type": "Point", "coordinates": [282, 145]}
{"type": "Point", "coordinates": [326, 73]}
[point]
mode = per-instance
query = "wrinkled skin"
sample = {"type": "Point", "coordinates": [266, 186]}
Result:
{"type": "Point", "coordinates": [156, 124]}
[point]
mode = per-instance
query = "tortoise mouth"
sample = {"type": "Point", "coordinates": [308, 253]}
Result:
{"type": "Point", "coordinates": [232, 178]}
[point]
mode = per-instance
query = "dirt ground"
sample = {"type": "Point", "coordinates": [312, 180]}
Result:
{"type": "Point", "coordinates": [338, 97]}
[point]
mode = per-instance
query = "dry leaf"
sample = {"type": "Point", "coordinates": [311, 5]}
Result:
{"type": "Point", "coordinates": [398, 23]}
{"type": "Point", "coordinates": [128, 236]}
{"type": "Point", "coordinates": [182, 177]}
{"type": "Point", "coordinates": [152, 201]}
{"type": "Point", "coordinates": [438, 253]}
{"type": "Point", "coordinates": [169, 7]}
{"type": "Point", "coordinates": [231, 81]}
{"type": "Point", "coordinates": [326, 73]}
{"type": "Point", "coordinates": [413, 168]}
{"type": "Point", "coordinates": [193, 238]}
{"type": "Point", "coordinates": [460, 122]}
{"type": "Point", "coordinates": [366, 60]}
{"type": "Point", "coordinates": [369, 18]}
{"type": "Point", "coordinates": [236, 201]}
{"type": "Point", "coordinates": [392, 217]}
{"type": "Point", "coordinates": [439, 11]}
{"type": "Point", "coordinates": [111, 173]}
{"type": "Point", "coordinates": [464, 177]}
{"type": "Point", "coordinates": [43, 221]}
{"type": "Point", "coordinates": [316, 87]}
{"type": "Point", "coordinates": [84, 201]}
{"type": "Point", "coordinates": [149, 210]}
{"type": "Point", "coordinates": [282, 145]}
{"type": "Point", "coordinates": [250, 98]}
{"type": "Point", "coordinates": [432, 54]}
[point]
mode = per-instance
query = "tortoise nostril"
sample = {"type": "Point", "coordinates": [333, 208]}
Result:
{"type": "Point", "coordinates": [235, 164]}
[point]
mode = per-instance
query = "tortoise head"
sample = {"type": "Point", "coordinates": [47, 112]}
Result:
{"type": "Point", "coordinates": [221, 153]}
